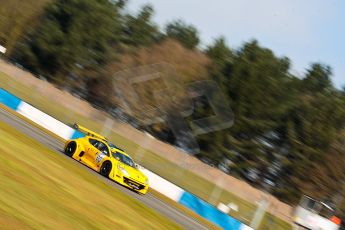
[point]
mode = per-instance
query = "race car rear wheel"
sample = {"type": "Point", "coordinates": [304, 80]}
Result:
{"type": "Point", "coordinates": [105, 168]}
{"type": "Point", "coordinates": [71, 148]}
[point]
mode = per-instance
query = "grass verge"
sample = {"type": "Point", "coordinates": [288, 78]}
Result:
{"type": "Point", "coordinates": [36, 193]}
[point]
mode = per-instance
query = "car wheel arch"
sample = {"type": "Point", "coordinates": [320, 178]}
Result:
{"type": "Point", "coordinates": [106, 171]}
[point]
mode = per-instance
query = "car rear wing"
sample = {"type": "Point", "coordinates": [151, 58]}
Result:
{"type": "Point", "coordinates": [88, 132]}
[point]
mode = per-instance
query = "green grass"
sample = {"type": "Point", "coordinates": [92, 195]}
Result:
{"type": "Point", "coordinates": [44, 190]}
{"type": "Point", "coordinates": [174, 173]}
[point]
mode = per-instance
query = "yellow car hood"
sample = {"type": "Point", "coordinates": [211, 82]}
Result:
{"type": "Point", "coordinates": [135, 174]}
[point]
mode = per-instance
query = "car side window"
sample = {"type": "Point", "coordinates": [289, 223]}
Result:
{"type": "Point", "coordinates": [94, 142]}
{"type": "Point", "coordinates": [100, 146]}
{"type": "Point", "coordinates": [103, 148]}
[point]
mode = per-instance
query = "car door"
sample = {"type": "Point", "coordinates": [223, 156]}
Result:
{"type": "Point", "coordinates": [91, 151]}
{"type": "Point", "coordinates": [103, 152]}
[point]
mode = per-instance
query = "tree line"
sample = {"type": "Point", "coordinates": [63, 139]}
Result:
{"type": "Point", "coordinates": [288, 134]}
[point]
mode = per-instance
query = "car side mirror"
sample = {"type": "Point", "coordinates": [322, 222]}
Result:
{"type": "Point", "coordinates": [136, 166]}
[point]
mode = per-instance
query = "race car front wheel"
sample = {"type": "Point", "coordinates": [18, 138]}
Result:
{"type": "Point", "coordinates": [105, 168]}
{"type": "Point", "coordinates": [70, 148]}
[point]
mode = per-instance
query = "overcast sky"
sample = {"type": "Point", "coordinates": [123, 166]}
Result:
{"type": "Point", "coordinates": [306, 31]}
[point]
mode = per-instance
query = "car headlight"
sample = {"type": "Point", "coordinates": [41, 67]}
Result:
{"type": "Point", "coordinates": [124, 172]}
{"type": "Point", "coordinates": [147, 181]}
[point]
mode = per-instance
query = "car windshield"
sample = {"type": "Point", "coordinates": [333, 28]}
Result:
{"type": "Point", "coordinates": [124, 159]}
{"type": "Point", "coordinates": [114, 147]}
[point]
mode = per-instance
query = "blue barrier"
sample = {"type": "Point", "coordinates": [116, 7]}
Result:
{"type": "Point", "coordinates": [13, 102]}
{"type": "Point", "coordinates": [9, 100]}
{"type": "Point", "coordinates": [209, 212]}
{"type": "Point", "coordinates": [77, 134]}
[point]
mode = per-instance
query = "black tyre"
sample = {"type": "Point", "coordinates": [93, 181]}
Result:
{"type": "Point", "coordinates": [105, 168]}
{"type": "Point", "coordinates": [71, 148]}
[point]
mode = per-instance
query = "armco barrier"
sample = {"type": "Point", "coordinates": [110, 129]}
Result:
{"type": "Point", "coordinates": [156, 182]}
{"type": "Point", "coordinates": [45, 121]}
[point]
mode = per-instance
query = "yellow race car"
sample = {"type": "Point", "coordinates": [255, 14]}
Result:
{"type": "Point", "coordinates": [96, 152]}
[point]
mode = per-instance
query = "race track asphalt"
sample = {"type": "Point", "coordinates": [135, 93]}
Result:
{"type": "Point", "coordinates": [56, 145]}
